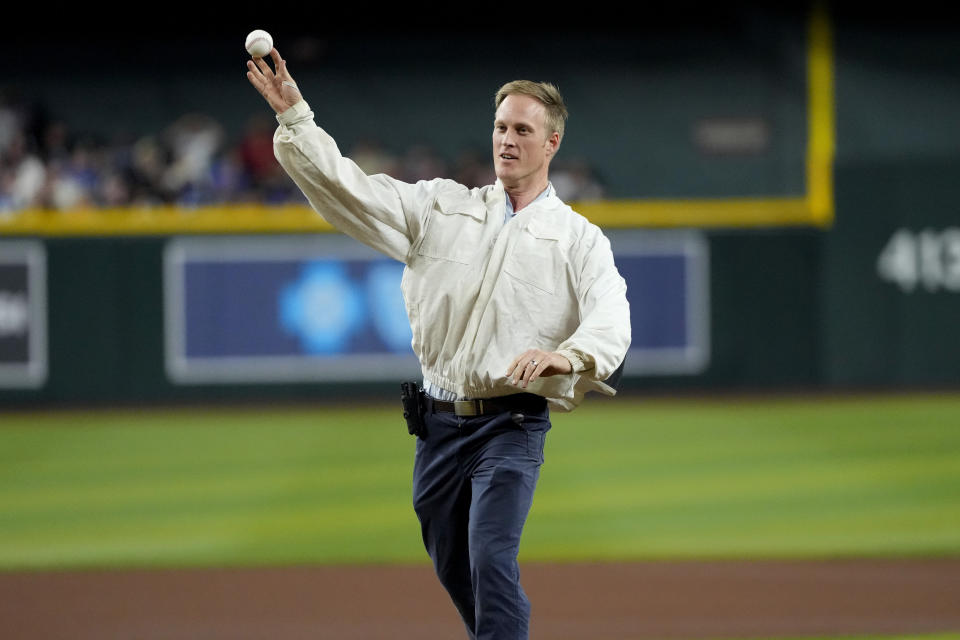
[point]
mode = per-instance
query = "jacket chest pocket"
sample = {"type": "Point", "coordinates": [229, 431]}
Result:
{"type": "Point", "coordinates": [535, 260]}
{"type": "Point", "coordinates": [455, 231]}
{"type": "Point", "coordinates": [537, 267]}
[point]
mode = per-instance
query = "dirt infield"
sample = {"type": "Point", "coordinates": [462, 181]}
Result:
{"type": "Point", "coordinates": [570, 602]}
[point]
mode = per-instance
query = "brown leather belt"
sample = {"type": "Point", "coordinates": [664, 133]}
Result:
{"type": "Point", "coordinates": [488, 406]}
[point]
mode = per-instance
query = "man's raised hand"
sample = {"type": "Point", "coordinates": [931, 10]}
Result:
{"type": "Point", "coordinates": [278, 88]}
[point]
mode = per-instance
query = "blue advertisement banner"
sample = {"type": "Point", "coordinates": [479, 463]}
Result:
{"type": "Point", "coordinates": [326, 308]}
{"type": "Point", "coordinates": [668, 287]}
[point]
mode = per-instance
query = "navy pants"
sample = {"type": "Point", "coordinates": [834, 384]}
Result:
{"type": "Point", "coordinates": [473, 485]}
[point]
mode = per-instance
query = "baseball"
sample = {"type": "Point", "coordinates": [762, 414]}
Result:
{"type": "Point", "coordinates": [259, 43]}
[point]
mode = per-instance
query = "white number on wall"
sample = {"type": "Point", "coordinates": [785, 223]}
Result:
{"type": "Point", "coordinates": [928, 258]}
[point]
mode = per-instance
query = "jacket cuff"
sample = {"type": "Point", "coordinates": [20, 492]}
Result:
{"type": "Point", "coordinates": [577, 361]}
{"type": "Point", "coordinates": [294, 114]}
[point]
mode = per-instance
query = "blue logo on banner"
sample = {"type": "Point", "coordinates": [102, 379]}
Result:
{"type": "Point", "coordinates": [321, 308]}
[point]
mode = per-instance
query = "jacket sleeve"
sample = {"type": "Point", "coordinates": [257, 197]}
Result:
{"type": "Point", "coordinates": [379, 211]}
{"type": "Point", "coordinates": [600, 343]}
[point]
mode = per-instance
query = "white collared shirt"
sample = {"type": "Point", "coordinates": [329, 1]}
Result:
{"type": "Point", "coordinates": [509, 203]}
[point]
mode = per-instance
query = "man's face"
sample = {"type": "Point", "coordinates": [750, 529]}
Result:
{"type": "Point", "coordinates": [522, 147]}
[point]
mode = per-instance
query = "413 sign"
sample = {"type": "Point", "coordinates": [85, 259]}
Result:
{"type": "Point", "coordinates": [929, 259]}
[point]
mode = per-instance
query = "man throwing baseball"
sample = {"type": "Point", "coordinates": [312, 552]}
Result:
{"type": "Point", "coordinates": [516, 307]}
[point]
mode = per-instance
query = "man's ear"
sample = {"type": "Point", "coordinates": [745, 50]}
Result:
{"type": "Point", "coordinates": [553, 143]}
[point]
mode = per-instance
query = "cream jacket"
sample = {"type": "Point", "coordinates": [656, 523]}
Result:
{"type": "Point", "coordinates": [478, 292]}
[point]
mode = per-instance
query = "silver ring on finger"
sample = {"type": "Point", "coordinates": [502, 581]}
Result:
{"type": "Point", "coordinates": [533, 362]}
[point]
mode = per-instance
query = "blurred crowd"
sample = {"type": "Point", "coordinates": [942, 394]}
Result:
{"type": "Point", "coordinates": [46, 164]}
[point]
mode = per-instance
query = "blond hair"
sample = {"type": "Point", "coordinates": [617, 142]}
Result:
{"type": "Point", "coordinates": [546, 93]}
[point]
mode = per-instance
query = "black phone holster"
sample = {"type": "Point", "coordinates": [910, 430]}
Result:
{"type": "Point", "coordinates": [414, 406]}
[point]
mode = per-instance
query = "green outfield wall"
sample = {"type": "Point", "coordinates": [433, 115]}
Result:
{"type": "Point", "coordinates": [106, 323]}
{"type": "Point", "coordinates": [891, 275]}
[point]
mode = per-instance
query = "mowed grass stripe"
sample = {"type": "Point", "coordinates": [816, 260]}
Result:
{"type": "Point", "coordinates": [333, 534]}
{"type": "Point", "coordinates": [623, 479]}
{"type": "Point", "coordinates": [307, 536]}
{"type": "Point", "coordinates": [257, 492]}
{"type": "Point", "coordinates": [105, 491]}
{"type": "Point", "coordinates": [250, 457]}
{"type": "Point", "coordinates": [124, 439]}
{"type": "Point", "coordinates": [718, 533]}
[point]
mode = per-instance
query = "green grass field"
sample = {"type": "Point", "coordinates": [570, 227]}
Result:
{"type": "Point", "coordinates": [624, 478]}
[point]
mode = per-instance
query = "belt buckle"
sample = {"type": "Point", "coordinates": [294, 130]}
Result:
{"type": "Point", "coordinates": [468, 407]}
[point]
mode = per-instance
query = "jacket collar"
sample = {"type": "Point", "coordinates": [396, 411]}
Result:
{"type": "Point", "coordinates": [547, 197]}
{"type": "Point", "coordinates": [537, 224]}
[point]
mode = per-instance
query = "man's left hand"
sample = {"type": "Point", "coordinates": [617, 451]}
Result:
{"type": "Point", "coordinates": [534, 363]}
